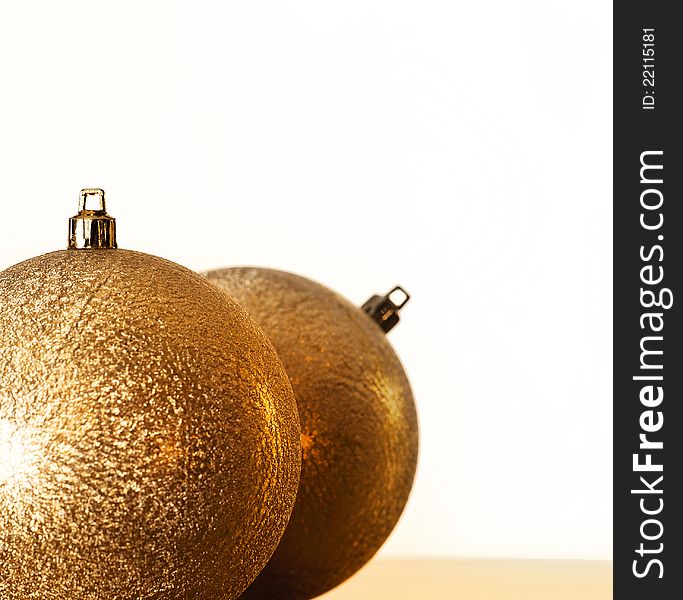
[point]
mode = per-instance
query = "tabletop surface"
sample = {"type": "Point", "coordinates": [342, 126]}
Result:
{"type": "Point", "coordinates": [478, 579]}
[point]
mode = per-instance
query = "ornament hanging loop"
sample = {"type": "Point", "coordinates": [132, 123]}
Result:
{"type": "Point", "coordinates": [92, 228]}
{"type": "Point", "coordinates": [384, 309]}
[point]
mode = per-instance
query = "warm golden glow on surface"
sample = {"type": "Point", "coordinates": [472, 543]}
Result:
{"type": "Point", "coordinates": [479, 579]}
{"type": "Point", "coordinates": [16, 456]}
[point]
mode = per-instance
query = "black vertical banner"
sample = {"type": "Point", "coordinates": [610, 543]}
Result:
{"type": "Point", "coordinates": [648, 297]}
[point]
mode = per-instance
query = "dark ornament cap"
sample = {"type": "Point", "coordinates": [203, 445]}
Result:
{"type": "Point", "coordinates": [384, 309]}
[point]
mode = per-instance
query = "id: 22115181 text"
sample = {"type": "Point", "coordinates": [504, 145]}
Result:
{"type": "Point", "coordinates": [648, 69]}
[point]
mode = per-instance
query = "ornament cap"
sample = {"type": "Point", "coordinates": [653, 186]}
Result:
{"type": "Point", "coordinates": [384, 309]}
{"type": "Point", "coordinates": [92, 228]}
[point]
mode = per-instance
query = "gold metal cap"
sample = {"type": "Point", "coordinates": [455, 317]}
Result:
{"type": "Point", "coordinates": [92, 228]}
{"type": "Point", "coordinates": [384, 309]}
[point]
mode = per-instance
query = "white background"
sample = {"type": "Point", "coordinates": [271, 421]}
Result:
{"type": "Point", "coordinates": [462, 149]}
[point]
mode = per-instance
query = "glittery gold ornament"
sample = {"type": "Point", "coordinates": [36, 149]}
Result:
{"type": "Point", "coordinates": [358, 422]}
{"type": "Point", "coordinates": [149, 439]}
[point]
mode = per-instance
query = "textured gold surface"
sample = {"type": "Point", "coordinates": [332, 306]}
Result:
{"type": "Point", "coordinates": [359, 429]}
{"type": "Point", "coordinates": [149, 441]}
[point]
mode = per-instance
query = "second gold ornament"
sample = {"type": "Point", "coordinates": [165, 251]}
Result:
{"type": "Point", "coordinates": [358, 423]}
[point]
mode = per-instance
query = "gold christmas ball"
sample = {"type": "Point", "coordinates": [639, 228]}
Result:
{"type": "Point", "coordinates": [358, 427]}
{"type": "Point", "coordinates": [149, 439]}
